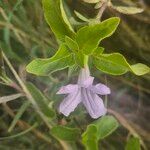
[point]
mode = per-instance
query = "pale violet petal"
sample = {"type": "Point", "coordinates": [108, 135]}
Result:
{"type": "Point", "coordinates": [93, 103]}
{"type": "Point", "coordinates": [69, 104]}
{"type": "Point", "coordinates": [70, 88]}
{"type": "Point", "coordinates": [83, 75]}
{"type": "Point", "coordinates": [88, 82]}
{"type": "Point", "coordinates": [100, 89]}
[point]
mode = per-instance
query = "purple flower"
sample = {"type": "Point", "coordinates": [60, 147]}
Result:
{"type": "Point", "coordinates": [86, 93]}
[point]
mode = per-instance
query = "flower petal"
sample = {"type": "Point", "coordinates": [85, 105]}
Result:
{"type": "Point", "coordinates": [100, 89]}
{"type": "Point", "coordinates": [93, 103]}
{"type": "Point", "coordinates": [70, 103]}
{"type": "Point", "coordinates": [70, 88]}
{"type": "Point", "coordinates": [83, 75]}
{"type": "Point", "coordinates": [88, 82]}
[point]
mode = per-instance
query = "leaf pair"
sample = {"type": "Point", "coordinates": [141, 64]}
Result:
{"type": "Point", "coordinates": [76, 46]}
{"type": "Point", "coordinates": [84, 43]}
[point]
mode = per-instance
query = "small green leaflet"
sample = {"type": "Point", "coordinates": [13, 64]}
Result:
{"type": "Point", "coordinates": [53, 15]}
{"type": "Point", "coordinates": [89, 37]}
{"type": "Point", "coordinates": [98, 130]}
{"type": "Point", "coordinates": [133, 144]}
{"type": "Point", "coordinates": [128, 9]}
{"type": "Point", "coordinates": [65, 133]}
{"type": "Point", "coordinates": [61, 60]}
{"type": "Point", "coordinates": [79, 58]}
{"type": "Point", "coordinates": [41, 100]}
{"type": "Point", "coordinates": [71, 44]}
{"type": "Point", "coordinates": [98, 51]}
{"type": "Point", "coordinates": [81, 17]}
{"type": "Point", "coordinates": [91, 1]}
{"type": "Point", "coordinates": [140, 69]}
{"type": "Point", "coordinates": [116, 64]}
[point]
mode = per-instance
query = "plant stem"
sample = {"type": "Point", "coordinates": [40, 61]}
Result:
{"type": "Point", "coordinates": [86, 58]}
{"type": "Point", "coordinates": [101, 10]}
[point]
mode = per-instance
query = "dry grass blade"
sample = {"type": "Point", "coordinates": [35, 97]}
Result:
{"type": "Point", "coordinates": [5, 99]}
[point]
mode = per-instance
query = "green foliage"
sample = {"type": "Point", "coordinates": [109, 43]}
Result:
{"type": "Point", "coordinates": [116, 64]}
{"type": "Point", "coordinates": [98, 130]}
{"type": "Point", "coordinates": [61, 60]}
{"type": "Point", "coordinates": [133, 144]}
{"type": "Point", "coordinates": [128, 10]}
{"type": "Point", "coordinates": [98, 51]}
{"type": "Point", "coordinates": [53, 17]}
{"type": "Point", "coordinates": [91, 1]}
{"type": "Point", "coordinates": [65, 133]}
{"type": "Point", "coordinates": [81, 17]}
{"type": "Point", "coordinates": [71, 44]}
{"type": "Point", "coordinates": [105, 126]}
{"type": "Point", "coordinates": [79, 58]}
{"type": "Point", "coordinates": [86, 42]}
{"type": "Point", "coordinates": [89, 37]}
{"type": "Point", "coordinates": [140, 69]}
{"type": "Point", "coordinates": [89, 138]}
{"type": "Point", "coordinates": [41, 100]}
{"type": "Point", "coordinates": [64, 15]}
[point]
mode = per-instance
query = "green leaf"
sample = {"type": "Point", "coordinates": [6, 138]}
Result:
{"type": "Point", "coordinates": [41, 100]}
{"type": "Point", "coordinates": [133, 144]}
{"type": "Point", "coordinates": [81, 17]}
{"type": "Point", "coordinates": [61, 60]}
{"type": "Point", "coordinates": [98, 51]}
{"type": "Point", "coordinates": [52, 13]}
{"type": "Point", "coordinates": [88, 37]}
{"type": "Point", "coordinates": [65, 18]}
{"type": "Point", "coordinates": [116, 64]}
{"type": "Point", "coordinates": [89, 138]}
{"type": "Point", "coordinates": [65, 133]}
{"type": "Point", "coordinates": [71, 44]}
{"type": "Point", "coordinates": [128, 9]}
{"type": "Point", "coordinates": [79, 58]}
{"type": "Point", "coordinates": [105, 126]}
{"type": "Point", "coordinates": [140, 69]}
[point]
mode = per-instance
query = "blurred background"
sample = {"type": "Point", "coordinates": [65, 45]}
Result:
{"type": "Point", "coordinates": [25, 35]}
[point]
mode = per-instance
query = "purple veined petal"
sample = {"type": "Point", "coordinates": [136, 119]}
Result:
{"type": "Point", "coordinates": [70, 88]}
{"type": "Point", "coordinates": [69, 104]}
{"type": "Point", "coordinates": [93, 103]}
{"type": "Point", "coordinates": [100, 89]}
